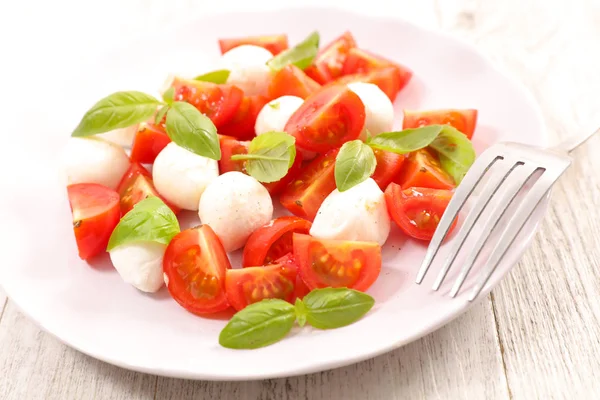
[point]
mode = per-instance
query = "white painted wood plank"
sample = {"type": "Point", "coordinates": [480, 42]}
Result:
{"type": "Point", "coordinates": [461, 360]}
{"type": "Point", "coordinates": [35, 365]}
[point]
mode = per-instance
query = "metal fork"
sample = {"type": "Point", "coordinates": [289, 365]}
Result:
{"type": "Point", "coordinates": [514, 167]}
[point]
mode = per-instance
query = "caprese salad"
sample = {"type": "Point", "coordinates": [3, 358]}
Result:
{"type": "Point", "coordinates": [310, 127]}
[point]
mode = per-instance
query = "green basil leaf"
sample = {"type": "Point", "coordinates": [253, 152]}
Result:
{"type": "Point", "coordinates": [269, 156]}
{"type": "Point", "coordinates": [218, 76]}
{"type": "Point", "coordinates": [301, 55]}
{"type": "Point", "coordinates": [455, 151]}
{"type": "Point", "coordinates": [300, 312]}
{"type": "Point", "coordinates": [161, 114]}
{"type": "Point", "coordinates": [336, 307]}
{"type": "Point", "coordinates": [407, 140]}
{"type": "Point", "coordinates": [119, 110]}
{"type": "Point", "coordinates": [354, 164]}
{"type": "Point", "coordinates": [192, 130]}
{"type": "Point", "coordinates": [150, 220]}
{"type": "Point", "coordinates": [169, 95]}
{"type": "Point", "coordinates": [258, 325]}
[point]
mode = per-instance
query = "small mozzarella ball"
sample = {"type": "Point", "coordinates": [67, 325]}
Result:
{"type": "Point", "coordinates": [123, 137]}
{"type": "Point", "coordinates": [275, 115]}
{"type": "Point", "coordinates": [93, 160]}
{"type": "Point", "coordinates": [248, 68]}
{"type": "Point", "coordinates": [140, 264]}
{"type": "Point", "coordinates": [358, 214]}
{"type": "Point", "coordinates": [379, 109]}
{"type": "Point", "coordinates": [234, 205]}
{"type": "Point", "coordinates": [181, 176]}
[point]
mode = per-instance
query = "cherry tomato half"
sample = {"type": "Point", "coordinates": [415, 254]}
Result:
{"type": "Point", "coordinates": [274, 43]}
{"type": "Point", "coordinates": [337, 263]}
{"type": "Point", "coordinates": [305, 194]}
{"type": "Point", "coordinates": [422, 169]}
{"type": "Point", "coordinates": [137, 185]}
{"type": "Point", "coordinates": [241, 125]}
{"type": "Point", "coordinates": [389, 79]}
{"type": "Point", "coordinates": [292, 81]}
{"type": "Point", "coordinates": [417, 211]}
{"type": "Point", "coordinates": [195, 264]}
{"type": "Point", "coordinates": [329, 62]}
{"type": "Point", "coordinates": [96, 213]}
{"type": "Point", "coordinates": [217, 102]}
{"type": "Point", "coordinates": [301, 289]}
{"type": "Point", "coordinates": [272, 241]}
{"type": "Point", "coordinates": [253, 284]}
{"type": "Point", "coordinates": [361, 61]}
{"type": "Point", "coordinates": [388, 166]}
{"type": "Point", "coordinates": [149, 140]}
{"type": "Point", "coordinates": [329, 118]}
{"type": "Point", "coordinates": [463, 120]}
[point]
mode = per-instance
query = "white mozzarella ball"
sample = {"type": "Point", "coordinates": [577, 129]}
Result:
{"type": "Point", "coordinates": [358, 214]}
{"type": "Point", "coordinates": [123, 137]}
{"type": "Point", "coordinates": [275, 115]}
{"type": "Point", "coordinates": [93, 160]}
{"type": "Point", "coordinates": [140, 264]}
{"type": "Point", "coordinates": [248, 68]}
{"type": "Point", "coordinates": [181, 176]}
{"type": "Point", "coordinates": [379, 110]}
{"type": "Point", "coordinates": [234, 205]}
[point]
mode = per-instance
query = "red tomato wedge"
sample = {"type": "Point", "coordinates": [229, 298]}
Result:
{"type": "Point", "coordinates": [360, 61]}
{"type": "Point", "coordinates": [96, 213]}
{"type": "Point", "coordinates": [274, 43]}
{"type": "Point", "coordinates": [330, 60]}
{"type": "Point", "coordinates": [218, 102]}
{"type": "Point", "coordinates": [300, 289]}
{"type": "Point", "coordinates": [195, 264]}
{"type": "Point", "coordinates": [273, 241]}
{"type": "Point", "coordinates": [337, 263]}
{"type": "Point", "coordinates": [463, 120]}
{"type": "Point", "coordinates": [329, 118]}
{"type": "Point", "coordinates": [253, 284]}
{"type": "Point", "coordinates": [241, 126]}
{"type": "Point", "coordinates": [292, 81]}
{"type": "Point", "coordinates": [422, 169]}
{"type": "Point", "coordinates": [389, 79]}
{"type": "Point", "coordinates": [305, 194]}
{"type": "Point", "coordinates": [231, 146]}
{"type": "Point", "coordinates": [137, 185]}
{"type": "Point", "coordinates": [388, 166]}
{"type": "Point", "coordinates": [149, 140]}
{"type": "Point", "coordinates": [417, 211]}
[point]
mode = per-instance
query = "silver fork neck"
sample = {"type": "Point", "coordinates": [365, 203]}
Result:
{"type": "Point", "coordinates": [573, 142]}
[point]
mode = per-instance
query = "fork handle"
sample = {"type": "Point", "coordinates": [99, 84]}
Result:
{"type": "Point", "coordinates": [574, 142]}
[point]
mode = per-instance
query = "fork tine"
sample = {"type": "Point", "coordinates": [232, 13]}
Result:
{"type": "Point", "coordinates": [516, 223]}
{"type": "Point", "coordinates": [464, 190]}
{"type": "Point", "coordinates": [483, 200]}
{"type": "Point", "coordinates": [521, 176]}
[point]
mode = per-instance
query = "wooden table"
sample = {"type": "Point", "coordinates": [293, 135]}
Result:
{"type": "Point", "coordinates": [537, 336]}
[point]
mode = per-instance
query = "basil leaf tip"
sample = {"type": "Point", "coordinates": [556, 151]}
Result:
{"type": "Point", "coordinates": [219, 76]}
{"type": "Point", "coordinates": [192, 130]}
{"type": "Point", "coordinates": [301, 55]}
{"type": "Point", "coordinates": [269, 156]}
{"type": "Point", "coordinates": [331, 308]}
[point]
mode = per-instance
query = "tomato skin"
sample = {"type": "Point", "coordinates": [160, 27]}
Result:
{"type": "Point", "coordinates": [218, 102]}
{"type": "Point", "coordinates": [422, 169]}
{"type": "Point", "coordinates": [327, 119]}
{"type": "Point", "coordinates": [241, 125]}
{"type": "Point", "coordinates": [304, 195]}
{"type": "Point", "coordinates": [137, 185]}
{"type": "Point", "coordinates": [361, 61]}
{"type": "Point", "coordinates": [195, 265]}
{"type": "Point", "coordinates": [96, 213]}
{"type": "Point", "coordinates": [388, 166]}
{"type": "Point", "coordinates": [300, 289]}
{"type": "Point", "coordinates": [337, 263]}
{"type": "Point", "coordinates": [272, 241]}
{"type": "Point", "coordinates": [149, 140]}
{"type": "Point", "coordinates": [391, 80]}
{"type": "Point", "coordinates": [274, 43]}
{"type": "Point", "coordinates": [253, 284]}
{"type": "Point", "coordinates": [231, 146]}
{"type": "Point", "coordinates": [292, 81]}
{"type": "Point", "coordinates": [464, 120]}
{"type": "Point", "coordinates": [417, 211]}
{"type": "Point", "coordinates": [329, 62]}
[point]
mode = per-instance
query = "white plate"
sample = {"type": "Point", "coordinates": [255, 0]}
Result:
{"type": "Point", "coordinates": [92, 310]}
